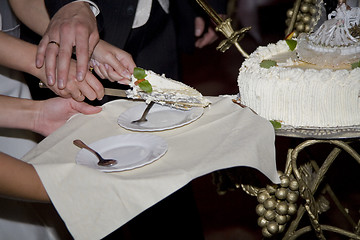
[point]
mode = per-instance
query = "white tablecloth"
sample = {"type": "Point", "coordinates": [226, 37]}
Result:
{"type": "Point", "coordinates": [93, 204]}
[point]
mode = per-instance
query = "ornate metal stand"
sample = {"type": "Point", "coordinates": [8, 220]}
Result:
{"type": "Point", "coordinates": [309, 184]}
{"type": "Point", "coordinates": [302, 190]}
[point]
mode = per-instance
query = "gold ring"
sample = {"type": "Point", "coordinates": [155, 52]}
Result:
{"type": "Point", "coordinates": [54, 42]}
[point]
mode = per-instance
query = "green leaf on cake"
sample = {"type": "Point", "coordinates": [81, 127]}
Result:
{"type": "Point", "coordinates": [355, 65]}
{"type": "Point", "coordinates": [145, 86]}
{"type": "Point", "coordinates": [268, 63]}
{"type": "Point", "coordinates": [291, 43]}
{"type": "Point", "coordinates": [275, 124]}
{"type": "Point", "coordinates": [139, 73]}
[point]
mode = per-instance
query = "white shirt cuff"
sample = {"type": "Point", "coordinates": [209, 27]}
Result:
{"type": "Point", "coordinates": [94, 8]}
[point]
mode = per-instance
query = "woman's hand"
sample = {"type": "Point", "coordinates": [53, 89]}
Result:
{"type": "Point", "coordinates": [90, 88]}
{"type": "Point", "coordinates": [54, 112]}
{"type": "Point", "coordinates": [112, 63]}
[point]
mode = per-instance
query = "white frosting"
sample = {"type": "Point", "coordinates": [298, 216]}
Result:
{"type": "Point", "coordinates": [300, 97]}
{"type": "Point", "coordinates": [166, 90]}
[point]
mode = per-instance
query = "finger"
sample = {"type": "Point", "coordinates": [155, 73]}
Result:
{"type": "Point", "coordinates": [87, 91]}
{"type": "Point", "coordinates": [85, 108]}
{"type": "Point", "coordinates": [127, 62]}
{"type": "Point", "coordinates": [40, 53]}
{"type": "Point", "coordinates": [78, 96]}
{"type": "Point", "coordinates": [207, 39]}
{"type": "Point", "coordinates": [64, 58]}
{"type": "Point", "coordinates": [103, 71]}
{"type": "Point", "coordinates": [82, 55]}
{"type": "Point", "coordinates": [122, 66]}
{"type": "Point", "coordinates": [114, 76]}
{"type": "Point", "coordinates": [199, 26]}
{"type": "Point", "coordinates": [50, 63]}
{"type": "Point", "coordinates": [95, 84]}
{"type": "Point", "coordinates": [98, 72]}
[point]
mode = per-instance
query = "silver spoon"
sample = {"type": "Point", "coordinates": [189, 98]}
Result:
{"type": "Point", "coordinates": [143, 117]}
{"type": "Point", "coordinates": [102, 161]}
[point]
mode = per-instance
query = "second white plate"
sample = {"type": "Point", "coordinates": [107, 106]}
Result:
{"type": "Point", "coordinates": [159, 118]}
{"type": "Point", "coordinates": [130, 150]}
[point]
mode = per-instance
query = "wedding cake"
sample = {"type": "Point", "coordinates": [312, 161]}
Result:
{"type": "Point", "coordinates": [316, 84]}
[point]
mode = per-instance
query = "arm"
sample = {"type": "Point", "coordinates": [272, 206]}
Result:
{"type": "Point", "coordinates": [19, 179]}
{"type": "Point", "coordinates": [21, 57]}
{"type": "Point", "coordinates": [35, 16]}
{"type": "Point", "coordinates": [18, 54]}
{"type": "Point", "coordinates": [42, 117]}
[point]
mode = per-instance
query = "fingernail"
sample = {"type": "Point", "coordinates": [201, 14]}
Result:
{"type": "Point", "coordinates": [61, 83]}
{"type": "Point", "coordinates": [124, 81]}
{"type": "Point", "coordinates": [50, 80]}
{"type": "Point", "coordinates": [38, 65]}
{"type": "Point", "coordinates": [197, 32]}
{"type": "Point", "coordinates": [80, 76]}
{"type": "Point", "coordinates": [126, 74]}
{"type": "Point", "coordinates": [106, 66]}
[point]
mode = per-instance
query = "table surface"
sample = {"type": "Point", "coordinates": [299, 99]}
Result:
{"type": "Point", "coordinates": [225, 136]}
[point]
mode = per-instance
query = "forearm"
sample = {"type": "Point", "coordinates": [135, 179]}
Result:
{"type": "Point", "coordinates": [34, 16]}
{"type": "Point", "coordinates": [21, 58]}
{"type": "Point", "coordinates": [18, 113]}
{"type": "Point", "coordinates": [19, 179]}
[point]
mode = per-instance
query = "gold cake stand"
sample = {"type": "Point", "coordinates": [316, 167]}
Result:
{"type": "Point", "coordinates": [302, 196]}
{"type": "Point", "coordinates": [303, 188]}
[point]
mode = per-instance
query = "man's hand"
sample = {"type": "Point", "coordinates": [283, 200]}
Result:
{"type": "Point", "coordinates": [74, 25]}
{"type": "Point", "coordinates": [206, 38]}
{"type": "Point", "coordinates": [110, 62]}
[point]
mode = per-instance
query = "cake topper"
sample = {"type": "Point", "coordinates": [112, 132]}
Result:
{"type": "Point", "coordinates": [336, 43]}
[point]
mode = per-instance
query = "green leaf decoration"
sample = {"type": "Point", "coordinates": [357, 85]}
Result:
{"type": "Point", "coordinates": [268, 63]}
{"type": "Point", "coordinates": [139, 73]}
{"type": "Point", "coordinates": [275, 124]}
{"type": "Point", "coordinates": [145, 86]}
{"type": "Point", "coordinates": [355, 65]}
{"type": "Point", "coordinates": [291, 43]}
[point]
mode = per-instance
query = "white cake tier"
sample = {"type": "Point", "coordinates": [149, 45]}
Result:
{"type": "Point", "coordinates": [297, 95]}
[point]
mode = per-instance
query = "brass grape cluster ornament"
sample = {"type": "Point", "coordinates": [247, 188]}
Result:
{"type": "Point", "coordinates": [303, 17]}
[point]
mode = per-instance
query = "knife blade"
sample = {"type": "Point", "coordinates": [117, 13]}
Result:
{"type": "Point", "coordinates": [108, 91]}
{"type": "Point", "coordinates": [115, 92]}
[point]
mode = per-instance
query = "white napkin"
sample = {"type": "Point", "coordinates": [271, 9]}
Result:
{"type": "Point", "coordinates": [93, 204]}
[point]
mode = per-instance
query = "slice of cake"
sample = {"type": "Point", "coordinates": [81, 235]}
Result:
{"type": "Point", "coordinates": [306, 91]}
{"type": "Point", "coordinates": [147, 85]}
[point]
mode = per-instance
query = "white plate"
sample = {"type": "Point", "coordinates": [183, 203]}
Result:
{"type": "Point", "coordinates": [130, 150]}
{"type": "Point", "coordinates": [159, 117]}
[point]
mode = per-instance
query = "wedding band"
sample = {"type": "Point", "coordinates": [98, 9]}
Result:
{"type": "Point", "coordinates": [56, 43]}
{"type": "Point", "coordinates": [91, 69]}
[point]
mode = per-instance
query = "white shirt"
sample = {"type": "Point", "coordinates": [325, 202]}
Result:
{"type": "Point", "coordinates": [143, 11]}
